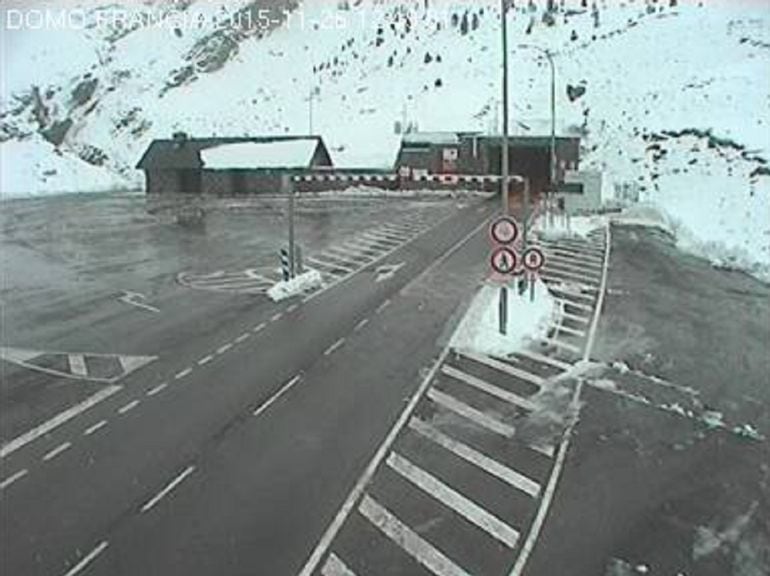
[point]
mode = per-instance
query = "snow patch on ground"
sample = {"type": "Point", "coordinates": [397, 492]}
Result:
{"type": "Point", "coordinates": [479, 332]}
{"type": "Point", "coordinates": [296, 286]}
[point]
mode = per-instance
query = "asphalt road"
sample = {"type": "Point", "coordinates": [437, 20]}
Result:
{"type": "Point", "coordinates": [175, 474]}
{"type": "Point", "coordinates": [661, 477]}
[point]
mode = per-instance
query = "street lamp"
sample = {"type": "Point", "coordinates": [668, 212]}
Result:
{"type": "Point", "coordinates": [549, 56]}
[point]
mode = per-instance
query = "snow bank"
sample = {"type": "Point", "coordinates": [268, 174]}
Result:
{"type": "Point", "coordinates": [565, 226]}
{"type": "Point", "coordinates": [244, 155]}
{"type": "Point", "coordinates": [479, 329]}
{"type": "Point", "coordinates": [296, 286]}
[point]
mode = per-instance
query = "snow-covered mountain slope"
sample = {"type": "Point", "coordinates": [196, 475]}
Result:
{"type": "Point", "coordinates": [670, 96]}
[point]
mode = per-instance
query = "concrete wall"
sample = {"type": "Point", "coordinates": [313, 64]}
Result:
{"type": "Point", "coordinates": [591, 198]}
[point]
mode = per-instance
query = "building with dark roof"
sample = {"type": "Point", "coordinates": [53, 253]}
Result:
{"type": "Point", "coordinates": [225, 166]}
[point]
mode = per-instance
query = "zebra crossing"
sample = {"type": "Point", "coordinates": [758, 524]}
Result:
{"type": "Point", "coordinates": [459, 484]}
{"type": "Point", "coordinates": [336, 261]}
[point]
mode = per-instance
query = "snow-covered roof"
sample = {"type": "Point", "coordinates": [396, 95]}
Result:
{"type": "Point", "coordinates": [431, 138]}
{"type": "Point", "coordinates": [244, 155]}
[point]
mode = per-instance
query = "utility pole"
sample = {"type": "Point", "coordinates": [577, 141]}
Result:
{"type": "Point", "coordinates": [504, 151]}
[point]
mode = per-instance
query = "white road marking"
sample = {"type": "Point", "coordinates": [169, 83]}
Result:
{"type": "Point", "coordinates": [243, 337]}
{"type": "Point", "coordinates": [560, 344]}
{"type": "Point", "coordinates": [371, 468]}
{"type": "Point", "coordinates": [158, 388]}
{"type": "Point", "coordinates": [276, 317]}
{"type": "Point", "coordinates": [331, 265]}
{"type": "Point", "coordinates": [335, 567]}
{"type": "Point", "coordinates": [292, 308]}
{"type": "Point", "coordinates": [128, 407]}
{"type": "Point", "coordinates": [504, 367]}
{"type": "Point", "coordinates": [382, 238]}
{"type": "Point", "coordinates": [169, 487]}
{"type": "Point", "coordinates": [382, 306]}
{"type": "Point", "coordinates": [568, 330]}
{"type": "Point", "coordinates": [269, 402]}
{"type": "Point", "coordinates": [555, 271]}
{"type": "Point", "coordinates": [568, 295]}
{"type": "Point", "coordinates": [205, 360]}
{"type": "Point", "coordinates": [183, 373]}
{"type": "Point", "coordinates": [56, 451]}
{"type": "Point", "coordinates": [58, 420]}
{"type": "Point", "coordinates": [132, 299]}
{"type": "Point", "coordinates": [77, 364]}
{"type": "Point", "coordinates": [98, 426]}
{"type": "Point", "coordinates": [87, 559]}
{"type": "Point", "coordinates": [473, 456]}
{"type": "Point", "coordinates": [449, 497]}
{"type": "Point", "coordinates": [555, 362]}
{"type": "Point", "coordinates": [259, 327]}
{"type": "Point", "coordinates": [13, 478]}
{"type": "Point", "coordinates": [488, 388]}
{"type": "Point", "coordinates": [567, 263]}
{"type": "Point", "coordinates": [330, 350]}
{"type": "Point", "coordinates": [412, 543]}
{"type": "Point", "coordinates": [578, 305]}
{"type": "Point", "coordinates": [470, 413]}
{"type": "Point", "coordinates": [349, 253]}
{"type": "Point", "coordinates": [545, 503]}
{"type": "Point", "coordinates": [361, 324]}
{"type": "Point", "coordinates": [575, 317]}
{"type": "Point", "coordinates": [224, 348]}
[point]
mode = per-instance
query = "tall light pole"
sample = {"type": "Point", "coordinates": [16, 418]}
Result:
{"type": "Point", "coordinates": [549, 56]}
{"type": "Point", "coordinates": [504, 149]}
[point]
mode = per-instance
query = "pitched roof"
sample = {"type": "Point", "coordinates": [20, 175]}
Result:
{"type": "Point", "coordinates": [264, 152]}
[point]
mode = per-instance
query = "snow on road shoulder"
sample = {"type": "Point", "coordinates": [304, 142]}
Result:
{"type": "Point", "coordinates": [296, 286]}
{"type": "Point", "coordinates": [478, 331]}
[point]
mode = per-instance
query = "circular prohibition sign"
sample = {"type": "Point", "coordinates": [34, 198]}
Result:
{"type": "Point", "coordinates": [503, 260]}
{"type": "Point", "coordinates": [504, 230]}
{"type": "Point", "coordinates": [533, 259]}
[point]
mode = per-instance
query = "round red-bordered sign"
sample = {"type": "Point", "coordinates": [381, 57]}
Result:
{"type": "Point", "coordinates": [504, 230]}
{"type": "Point", "coordinates": [503, 260]}
{"type": "Point", "coordinates": [533, 259]}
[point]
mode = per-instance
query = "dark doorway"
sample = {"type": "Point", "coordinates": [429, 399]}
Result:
{"type": "Point", "coordinates": [189, 181]}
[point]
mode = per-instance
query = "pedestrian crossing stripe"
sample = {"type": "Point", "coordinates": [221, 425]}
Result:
{"type": "Point", "coordinates": [106, 368]}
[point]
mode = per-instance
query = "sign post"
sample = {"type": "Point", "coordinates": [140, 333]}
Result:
{"type": "Point", "coordinates": [533, 260]}
{"type": "Point", "coordinates": [504, 231]}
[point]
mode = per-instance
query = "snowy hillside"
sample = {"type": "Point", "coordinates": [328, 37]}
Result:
{"type": "Point", "coordinates": [671, 97]}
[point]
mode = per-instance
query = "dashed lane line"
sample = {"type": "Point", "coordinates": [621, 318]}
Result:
{"type": "Point", "coordinates": [270, 401]}
{"type": "Point", "coordinates": [361, 324]}
{"type": "Point", "coordinates": [13, 478]}
{"type": "Point", "coordinates": [477, 416]}
{"type": "Point", "coordinates": [486, 387]}
{"type": "Point", "coordinates": [168, 488]}
{"type": "Point", "coordinates": [382, 306]}
{"type": "Point", "coordinates": [159, 388]}
{"type": "Point", "coordinates": [276, 317]}
{"type": "Point", "coordinates": [292, 308]}
{"type": "Point", "coordinates": [56, 451]}
{"type": "Point", "coordinates": [489, 465]}
{"type": "Point", "coordinates": [331, 349]}
{"type": "Point", "coordinates": [224, 348]}
{"type": "Point", "coordinates": [242, 338]}
{"type": "Point", "coordinates": [259, 327]}
{"type": "Point", "coordinates": [412, 543]}
{"type": "Point", "coordinates": [95, 427]}
{"type": "Point", "coordinates": [128, 407]}
{"type": "Point", "coordinates": [183, 374]}
{"type": "Point", "coordinates": [451, 498]}
{"type": "Point", "coordinates": [205, 360]}
{"type": "Point", "coordinates": [87, 559]}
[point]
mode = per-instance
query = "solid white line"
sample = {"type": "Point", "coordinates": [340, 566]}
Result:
{"type": "Point", "coordinates": [13, 478]}
{"type": "Point", "coordinates": [169, 487]}
{"type": "Point", "coordinates": [555, 362]}
{"type": "Point", "coordinates": [488, 388]}
{"type": "Point", "coordinates": [205, 360]}
{"type": "Point", "coordinates": [504, 367]}
{"type": "Point", "coordinates": [477, 416]}
{"type": "Point", "coordinates": [78, 364]}
{"type": "Point", "coordinates": [158, 388]}
{"type": "Point", "coordinates": [87, 559]}
{"type": "Point", "coordinates": [98, 426]}
{"type": "Point", "coordinates": [545, 503]}
{"type": "Point", "coordinates": [269, 402]}
{"type": "Point", "coordinates": [243, 337]}
{"type": "Point", "coordinates": [224, 348]}
{"type": "Point", "coordinates": [361, 324]}
{"type": "Point", "coordinates": [334, 346]}
{"type": "Point", "coordinates": [451, 498]}
{"type": "Point", "coordinates": [183, 373]}
{"type": "Point", "coordinates": [363, 481]}
{"type": "Point", "coordinates": [128, 407]}
{"type": "Point", "coordinates": [412, 543]}
{"type": "Point", "coordinates": [57, 421]}
{"type": "Point", "coordinates": [473, 456]}
{"type": "Point", "coordinates": [56, 451]}
{"type": "Point", "coordinates": [259, 327]}
{"type": "Point", "coordinates": [276, 317]}
{"type": "Point", "coordinates": [335, 567]}
{"type": "Point", "coordinates": [382, 306]}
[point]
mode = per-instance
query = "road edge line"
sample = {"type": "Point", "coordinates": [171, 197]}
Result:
{"type": "Point", "coordinates": [545, 503]}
